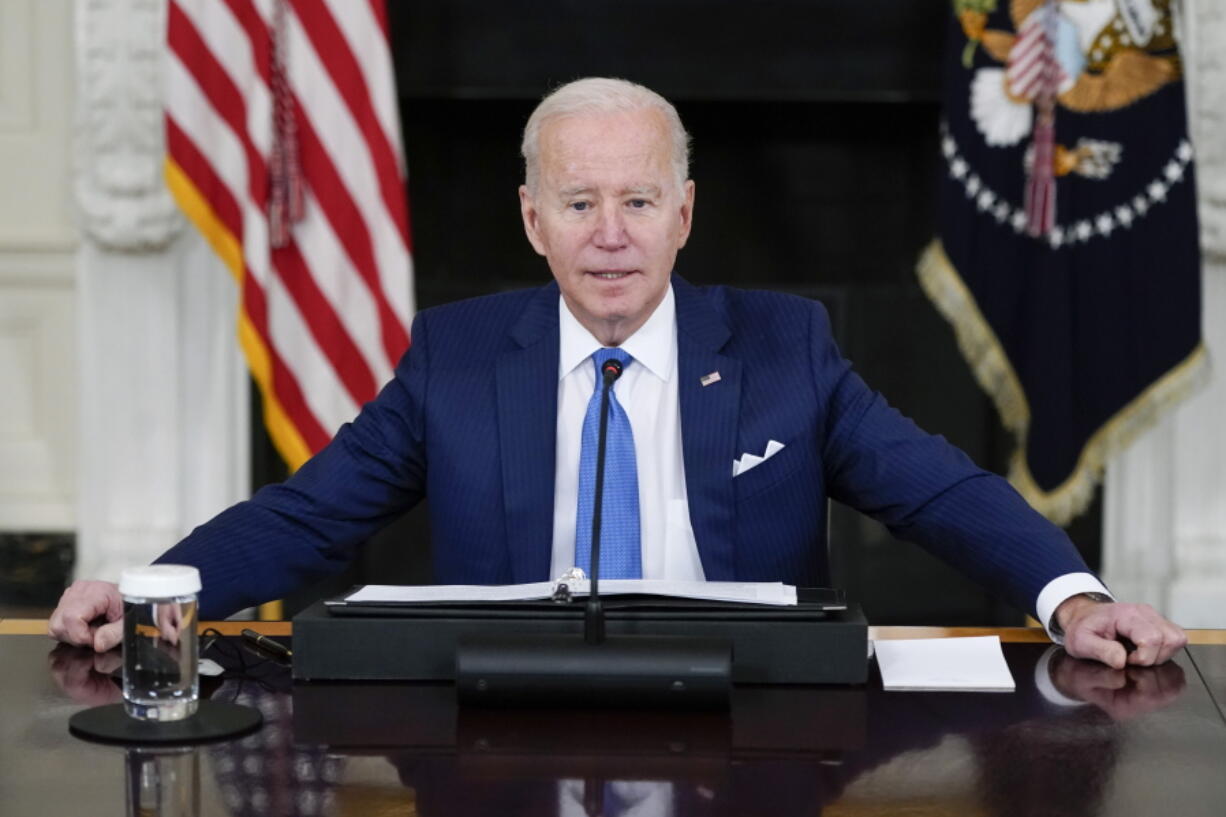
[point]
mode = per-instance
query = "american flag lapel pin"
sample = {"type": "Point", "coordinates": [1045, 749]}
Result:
{"type": "Point", "coordinates": [708, 379]}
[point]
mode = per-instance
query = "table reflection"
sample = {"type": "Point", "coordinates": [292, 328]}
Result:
{"type": "Point", "coordinates": [328, 749]}
{"type": "Point", "coordinates": [1121, 694]}
{"type": "Point", "coordinates": [266, 772]}
{"type": "Point", "coordinates": [85, 676]}
{"type": "Point", "coordinates": [163, 781]}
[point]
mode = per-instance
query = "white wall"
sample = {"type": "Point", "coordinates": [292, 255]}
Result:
{"type": "Point", "coordinates": [38, 451]}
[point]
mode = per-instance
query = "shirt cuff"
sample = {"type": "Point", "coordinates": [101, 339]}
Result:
{"type": "Point", "coordinates": [1059, 590]}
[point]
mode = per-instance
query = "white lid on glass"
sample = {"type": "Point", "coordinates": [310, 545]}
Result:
{"type": "Point", "coordinates": [159, 581]}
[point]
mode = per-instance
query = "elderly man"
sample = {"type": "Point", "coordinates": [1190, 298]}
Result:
{"type": "Point", "coordinates": [734, 420]}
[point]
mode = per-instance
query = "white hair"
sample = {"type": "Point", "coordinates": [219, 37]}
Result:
{"type": "Point", "coordinates": [600, 95]}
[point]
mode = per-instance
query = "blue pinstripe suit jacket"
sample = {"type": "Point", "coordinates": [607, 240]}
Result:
{"type": "Point", "coordinates": [470, 422]}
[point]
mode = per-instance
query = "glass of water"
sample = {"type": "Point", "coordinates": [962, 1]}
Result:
{"type": "Point", "coordinates": [160, 644]}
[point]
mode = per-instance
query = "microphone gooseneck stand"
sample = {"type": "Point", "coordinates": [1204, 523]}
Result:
{"type": "Point", "coordinates": [593, 618]}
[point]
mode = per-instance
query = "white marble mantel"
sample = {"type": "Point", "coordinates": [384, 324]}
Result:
{"type": "Point", "coordinates": [163, 418]}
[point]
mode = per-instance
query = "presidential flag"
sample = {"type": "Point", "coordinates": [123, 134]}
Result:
{"type": "Point", "coordinates": [283, 148]}
{"type": "Point", "coordinates": [1068, 258]}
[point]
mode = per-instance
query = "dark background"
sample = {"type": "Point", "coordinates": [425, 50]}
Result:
{"type": "Point", "coordinates": [815, 159]}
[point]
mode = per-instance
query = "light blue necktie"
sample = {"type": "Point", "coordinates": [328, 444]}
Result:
{"type": "Point", "coordinates": [620, 556]}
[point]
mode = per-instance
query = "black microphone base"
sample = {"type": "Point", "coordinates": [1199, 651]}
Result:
{"type": "Point", "coordinates": [622, 671]}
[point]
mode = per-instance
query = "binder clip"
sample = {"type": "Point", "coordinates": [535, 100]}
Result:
{"type": "Point", "coordinates": [562, 591]}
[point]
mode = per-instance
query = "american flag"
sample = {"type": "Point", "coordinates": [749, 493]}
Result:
{"type": "Point", "coordinates": [283, 148]}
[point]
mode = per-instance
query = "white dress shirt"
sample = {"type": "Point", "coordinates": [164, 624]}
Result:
{"type": "Point", "coordinates": [647, 390]}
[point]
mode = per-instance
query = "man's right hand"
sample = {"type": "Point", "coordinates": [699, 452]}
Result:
{"type": "Point", "coordinates": [90, 614]}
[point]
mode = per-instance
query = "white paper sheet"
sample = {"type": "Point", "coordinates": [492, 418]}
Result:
{"type": "Point", "coordinates": [772, 593]}
{"type": "Point", "coordinates": [956, 664]}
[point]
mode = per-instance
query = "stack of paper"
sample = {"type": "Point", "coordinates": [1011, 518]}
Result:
{"type": "Point", "coordinates": [962, 664]}
{"type": "Point", "coordinates": [773, 593]}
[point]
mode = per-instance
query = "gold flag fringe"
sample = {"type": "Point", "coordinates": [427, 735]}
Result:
{"type": "Point", "coordinates": [995, 374]}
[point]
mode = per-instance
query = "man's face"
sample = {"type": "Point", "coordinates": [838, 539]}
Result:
{"type": "Point", "coordinates": [608, 216]}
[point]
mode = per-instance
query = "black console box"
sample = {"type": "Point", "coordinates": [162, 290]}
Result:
{"type": "Point", "coordinates": [776, 645]}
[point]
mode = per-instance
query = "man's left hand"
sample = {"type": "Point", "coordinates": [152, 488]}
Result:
{"type": "Point", "coordinates": [1094, 629]}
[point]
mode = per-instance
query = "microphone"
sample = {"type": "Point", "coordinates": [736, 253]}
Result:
{"type": "Point", "coordinates": [593, 619]}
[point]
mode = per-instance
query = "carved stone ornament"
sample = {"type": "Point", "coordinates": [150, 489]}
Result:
{"type": "Point", "coordinates": [120, 191]}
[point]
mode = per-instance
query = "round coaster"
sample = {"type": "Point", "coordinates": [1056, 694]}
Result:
{"type": "Point", "coordinates": [214, 720]}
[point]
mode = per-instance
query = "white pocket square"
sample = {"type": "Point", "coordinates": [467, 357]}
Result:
{"type": "Point", "coordinates": [747, 460]}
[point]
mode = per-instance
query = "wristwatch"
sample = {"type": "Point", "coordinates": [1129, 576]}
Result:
{"type": "Point", "coordinates": [1054, 627]}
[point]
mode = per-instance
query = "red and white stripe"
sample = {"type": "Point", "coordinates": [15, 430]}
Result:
{"type": "Point", "coordinates": [1033, 73]}
{"type": "Point", "coordinates": [332, 305]}
{"type": "Point", "coordinates": [1031, 66]}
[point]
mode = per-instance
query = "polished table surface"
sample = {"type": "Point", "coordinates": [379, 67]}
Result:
{"type": "Point", "coordinates": [1149, 741]}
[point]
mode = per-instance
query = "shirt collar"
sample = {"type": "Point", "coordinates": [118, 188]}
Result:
{"type": "Point", "coordinates": [651, 345]}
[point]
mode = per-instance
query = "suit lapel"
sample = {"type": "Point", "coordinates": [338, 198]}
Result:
{"type": "Point", "coordinates": [527, 430]}
{"type": "Point", "coordinates": [709, 416]}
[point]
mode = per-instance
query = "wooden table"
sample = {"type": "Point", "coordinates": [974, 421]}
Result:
{"type": "Point", "coordinates": [1152, 742]}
